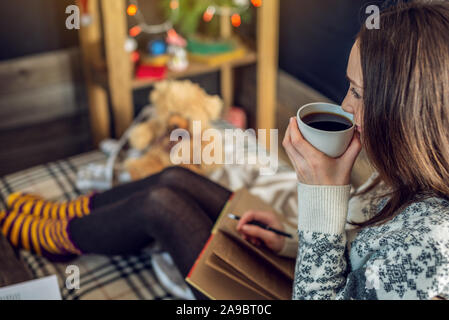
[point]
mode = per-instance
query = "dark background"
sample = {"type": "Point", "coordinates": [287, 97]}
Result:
{"type": "Point", "coordinates": [315, 41]}
{"type": "Point", "coordinates": [34, 26]}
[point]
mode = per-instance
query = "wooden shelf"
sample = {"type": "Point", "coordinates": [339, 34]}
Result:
{"type": "Point", "coordinates": [196, 68]}
{"type": "Point", "coordinates": [100, 72]}
{"type": "Point", "coordinates": [112, 81]}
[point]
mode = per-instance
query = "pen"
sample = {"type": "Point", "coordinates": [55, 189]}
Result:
{"type": "Point", "coordinates": [262, 225]}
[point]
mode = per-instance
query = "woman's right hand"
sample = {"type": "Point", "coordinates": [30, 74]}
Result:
{"type": "Point", "coordinates": [312, 166]}
{"type": "Point", "coordinates": [256, 235]}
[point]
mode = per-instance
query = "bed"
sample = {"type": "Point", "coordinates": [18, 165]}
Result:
{"type": "Point", "coordinates": [133, 277]}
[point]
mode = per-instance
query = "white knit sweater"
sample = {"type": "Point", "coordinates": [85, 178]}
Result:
{"type": "Point", "coordinates": [404, 258]}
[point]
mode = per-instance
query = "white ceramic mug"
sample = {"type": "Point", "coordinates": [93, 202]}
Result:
{"type": "Point", "coordinates": [332, 143]}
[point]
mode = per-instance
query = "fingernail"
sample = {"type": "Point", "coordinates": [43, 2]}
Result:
{"type": "Point", "coordinates": [245, 228]}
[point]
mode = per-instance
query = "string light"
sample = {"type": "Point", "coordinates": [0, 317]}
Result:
{"type": "Point", "coordinates": [235, 13]}
{"type": "Point", "coordinates": [256, 3]}
{"type": "Point", "coordinates": [174, 4]}
{"type": "Point", "coordinates": [209, 14]}
{"type": "Point", "coordinates": [84, 6]}
{"type": "Point", "coordinates": [142, 26]}
{"type": "Point", "coordinates": [236, 20]}
{"type": "Point", "coordinates": [131, 44]}
{"type": "Point", "coordinates": [86, 18]}
{"type": "Point", "coordinates": [132, 10]}
{"type": "Point", "coordinates": [135, 56]}
{"type": "Point", "coordinates": [135, 31]}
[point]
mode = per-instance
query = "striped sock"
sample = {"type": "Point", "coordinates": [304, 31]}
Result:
{"type": "Point", "coordinates": [42, 236]}
{"type": "Point", "coordinates": [37, 206]}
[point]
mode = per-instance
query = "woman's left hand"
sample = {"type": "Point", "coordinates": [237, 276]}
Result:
{"type": "Point", "coordinates": [312, 166]}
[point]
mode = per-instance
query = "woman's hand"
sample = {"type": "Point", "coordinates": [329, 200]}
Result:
{"type": "Point", "coordinates": [256, 235]}
{"type": "Point", "coordinates": [314, 167]}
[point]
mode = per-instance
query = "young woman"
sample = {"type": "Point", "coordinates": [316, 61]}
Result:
{"type": "Point", "coordinates": [389, 241]}
{"type": "Point", "coordinates": [398, 243]}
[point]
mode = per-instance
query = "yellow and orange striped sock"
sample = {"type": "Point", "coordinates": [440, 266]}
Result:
{"type": "Point", "coordinates": [35, 205]}
{"type": "Point", "coordinates": [42, 236]}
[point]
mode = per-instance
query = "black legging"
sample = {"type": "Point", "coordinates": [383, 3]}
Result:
{"type": "Point", "coordinates": [176, 207]}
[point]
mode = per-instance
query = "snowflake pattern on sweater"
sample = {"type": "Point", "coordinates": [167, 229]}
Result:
{"type": "Point", "coordinates": [404, 258]}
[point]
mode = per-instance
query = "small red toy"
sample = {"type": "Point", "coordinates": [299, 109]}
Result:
{"type": "Point", "coordinates": [151, 72]}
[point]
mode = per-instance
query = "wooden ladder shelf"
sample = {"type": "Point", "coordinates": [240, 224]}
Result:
{"type": "Point", "coordinates": [120, 81]}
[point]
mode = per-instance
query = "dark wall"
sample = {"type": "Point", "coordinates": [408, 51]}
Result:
{"type": "Point", "coordinates": [44, 105]}
{"type": "Point", "coordinates": [315, 41]}
{"type": "Point", "coordinates": [34, 26]}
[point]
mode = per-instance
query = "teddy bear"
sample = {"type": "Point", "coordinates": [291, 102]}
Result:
{"type": "Point", "coordinates": [177, 105]}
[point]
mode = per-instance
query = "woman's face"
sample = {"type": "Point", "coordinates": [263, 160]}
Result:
{"type": "Point", "coordinates": [353, 102]}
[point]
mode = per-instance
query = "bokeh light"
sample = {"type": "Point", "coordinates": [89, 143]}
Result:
{"type": "Point", "coordinates": [174, 4]}
{"type": "Point", "coordinates": [236, 20]}
{"type": "Point", "coordinates": [135, 31]}
{"type": "Point", "coordinates": [132, 10]}
{"type": "Point", "coordinates": [256, 3]}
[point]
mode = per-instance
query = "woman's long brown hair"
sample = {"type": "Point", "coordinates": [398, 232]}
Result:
{"type": "Point", "coordinates": [405, 68]}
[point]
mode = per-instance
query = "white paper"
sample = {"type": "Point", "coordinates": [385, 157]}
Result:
{"type": "Point", "coordinates": [41, 289]}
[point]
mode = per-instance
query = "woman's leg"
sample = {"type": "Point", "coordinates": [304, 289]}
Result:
{"type": "Point", "coordinates": [164, 214]}
{"type": "Point", "coordinates": [210, 196]}
{"type": "Point", "coordinates": [167, 215]}
{"type": "Point", "coordinates": [79, 207]}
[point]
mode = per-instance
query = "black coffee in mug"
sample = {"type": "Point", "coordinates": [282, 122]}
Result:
{"type": "Point", "coordinates": [327, 121]}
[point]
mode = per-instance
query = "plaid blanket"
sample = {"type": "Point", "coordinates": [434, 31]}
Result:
{"type": "Point", "coordinates": [101, 277]}
{"type": "Point", "coordinates": [131, 277]}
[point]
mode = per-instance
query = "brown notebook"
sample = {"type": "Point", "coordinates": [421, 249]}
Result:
{"type": "Point", "coordinates": [231, 268]}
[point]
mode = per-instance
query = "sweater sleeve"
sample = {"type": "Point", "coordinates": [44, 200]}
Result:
{"type": "Point", "coordinates": [321, 263]}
